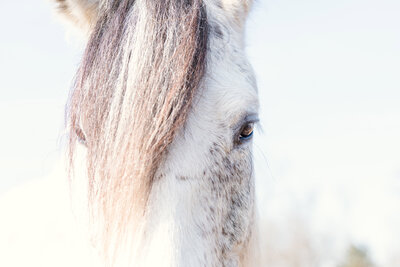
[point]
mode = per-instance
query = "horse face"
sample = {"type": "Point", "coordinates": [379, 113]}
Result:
{"type": "Point", "coordinates": [209, 171]}
{"type": "Point", "coordinates": [201, 200]}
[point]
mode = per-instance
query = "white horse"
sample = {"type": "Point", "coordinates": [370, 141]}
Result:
{"type": "Point", "coordinates": [160, 122]}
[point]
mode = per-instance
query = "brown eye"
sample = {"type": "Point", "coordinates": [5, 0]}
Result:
{"type": "Point", "coordinates": [80, 135]}
{"type": "Point", "coordinates": [246, 132]}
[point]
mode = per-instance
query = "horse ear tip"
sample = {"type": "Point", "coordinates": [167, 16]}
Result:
{"type": "Point", "coordinates": [237, 10]}
{"type": "Point", "coordinates": [80, 14]}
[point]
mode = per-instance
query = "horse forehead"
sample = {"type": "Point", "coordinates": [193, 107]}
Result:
{"type": "Point", "coordinates": [230, 85]}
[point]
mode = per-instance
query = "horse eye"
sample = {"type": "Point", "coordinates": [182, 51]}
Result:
{"type": "Point", "coordinates": [80, 135]}
{"type": "Point", "coordinates": [247, 131]}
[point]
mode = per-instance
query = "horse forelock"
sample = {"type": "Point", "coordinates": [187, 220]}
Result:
{"type": "Point", "coordinates": [143, 64]}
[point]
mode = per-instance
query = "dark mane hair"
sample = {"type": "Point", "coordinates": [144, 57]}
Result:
{"type": "Point", "coordinates": [143, 64]}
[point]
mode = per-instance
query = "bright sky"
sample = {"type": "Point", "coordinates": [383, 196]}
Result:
{"type": "Point", "coordinates": [328, 74]}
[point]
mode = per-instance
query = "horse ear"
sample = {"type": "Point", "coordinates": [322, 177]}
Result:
{"type": "Point", "coordinates": [237, 10]}
{"type": "Point", "coordinates": [83, 14]}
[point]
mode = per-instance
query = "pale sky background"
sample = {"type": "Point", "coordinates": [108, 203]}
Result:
{"type": "Point", "coordinates": [329, 83]}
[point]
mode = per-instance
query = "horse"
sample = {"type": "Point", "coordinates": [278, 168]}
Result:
{"type": "Point", "coordinates": [160, 123]}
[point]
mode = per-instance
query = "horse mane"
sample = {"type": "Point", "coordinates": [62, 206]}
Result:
{"type": "Point", "coordinates": [142, 66]}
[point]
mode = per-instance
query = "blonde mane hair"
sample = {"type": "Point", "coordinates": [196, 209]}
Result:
{"type": "Point", "coordinates": [143, 64]}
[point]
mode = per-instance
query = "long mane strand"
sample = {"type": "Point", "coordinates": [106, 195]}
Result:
{"type": "Point", "coordinates": [141, 69]}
